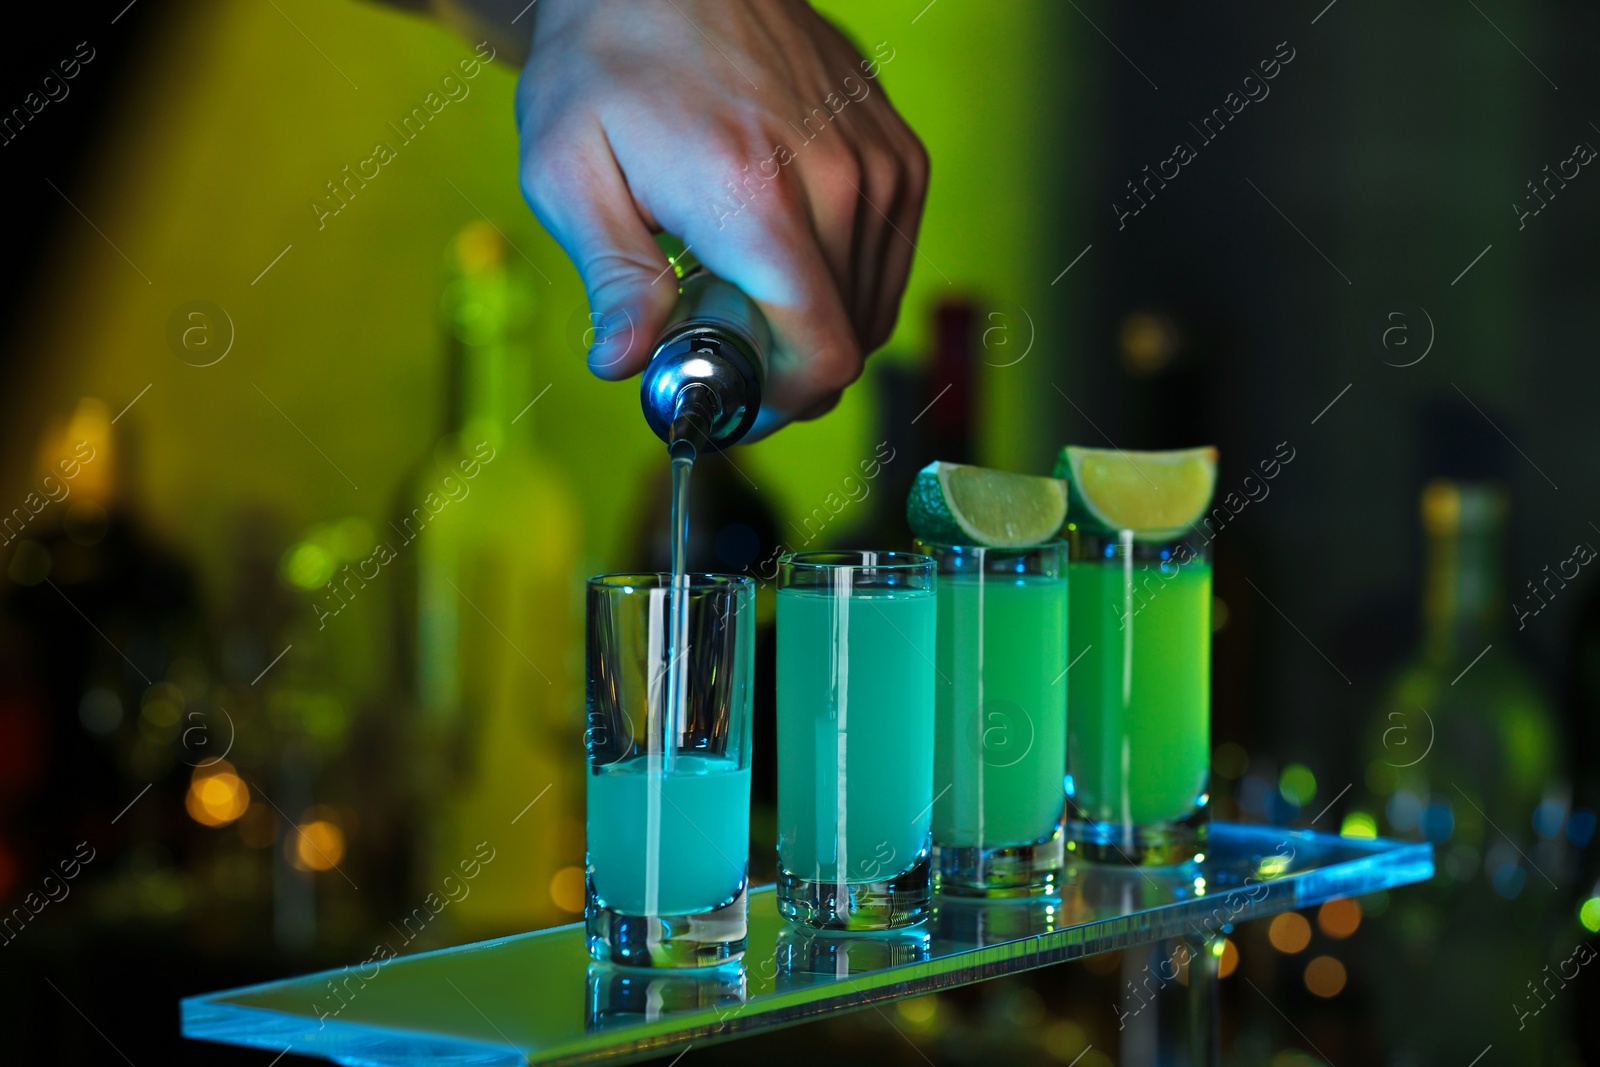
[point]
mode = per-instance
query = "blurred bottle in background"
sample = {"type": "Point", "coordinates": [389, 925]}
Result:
{"type": "Point", "coordinates": [486, 538]}
{"type": "Point", "coordinates": [1583, 739]}
{"type": "Point", "coordinates": [924, 412]}
{"type": "Point", "coordinates": [951, 412]}
{"type": "Point", "coordinates": [1463, 752]}
{"type": "Point", "coordinates": [110, 654]}
{"type": "Point", "coordinates": [316, 750]}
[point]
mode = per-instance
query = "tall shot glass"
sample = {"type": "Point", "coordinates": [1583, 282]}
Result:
{"type": "Point", "coordinates": [1000, 751]}
{"type": "Point", "coordinates": [668, 787]}
{"type": "Point", "coordinates": [1139, 738]}
{"type": "Point", "coordinates": [855, 738]}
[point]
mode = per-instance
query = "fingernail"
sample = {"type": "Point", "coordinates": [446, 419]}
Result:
{"type": "Point", "coordinates": [613, 336]}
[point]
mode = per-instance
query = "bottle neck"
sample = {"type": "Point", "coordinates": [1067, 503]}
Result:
{"type": "Point", "coordinates": [487, 375]}
{"type": "Point", "coordinates": [1463, 600]}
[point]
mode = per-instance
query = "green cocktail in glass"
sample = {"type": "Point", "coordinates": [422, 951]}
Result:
{"type": "Point", "coordinates": [1139, 739]}
{"type": "Point", "coordinates": [855, 738]}
{"type": "Point", "coordinates": [1001, 719]}
{"type": "Point", "coordinates": [1139, 743]}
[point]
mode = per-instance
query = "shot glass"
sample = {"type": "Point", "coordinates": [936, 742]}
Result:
{"type": "Point", "coordinates": [1139, 738]}
{"type": "Point", "coordinates": [668, 784]}
{"type": "Point", "coordinates": [855, 738]}
{"type": "Point", "coordinates": [1000, 741]}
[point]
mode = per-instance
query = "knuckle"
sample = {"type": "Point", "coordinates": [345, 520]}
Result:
{"type": "Point", "coordinates": [883, 325]}
{"type": "Point", "coordinates": [838, 366]}
{"type": "Point", "coordinates": [608, 271]}
{"type": "Point", "coordinates": [779, 202]}
{"type": "Point", "coordinates": [546, 174]}
{"type": "Point", "coordinates": [837, 186]}
{"type": "Point", "coordinates": [914, 158]}
{"type": "Point", "coordinates": [844, 167]}
{"type": "Point", "coordinates": [883, 177]}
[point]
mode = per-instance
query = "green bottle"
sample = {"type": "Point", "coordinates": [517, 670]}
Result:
{"type": "Point", "coordinates": [1462, 751]}
{"type": "Point", "coordinates": [488, 533]}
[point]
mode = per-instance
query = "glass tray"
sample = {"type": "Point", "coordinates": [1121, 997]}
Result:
{"type": "Point", "coordinates": [537, 999]}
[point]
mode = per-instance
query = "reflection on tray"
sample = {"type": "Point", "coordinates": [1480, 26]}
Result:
{"type": "Point", "coordinates": [806, 957]}
{"type": "Point", "coordinates": [623, 996]}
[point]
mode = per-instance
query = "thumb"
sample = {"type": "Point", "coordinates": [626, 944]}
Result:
{"type": "Point", "coordinates": [630, 284]}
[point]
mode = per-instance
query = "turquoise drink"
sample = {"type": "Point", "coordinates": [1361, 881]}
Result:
{"type": "Point", "coordinates": [856, 803]}
{"type": "Point", "coordinates": [668, 783]}
{"type": "Point", "coordinates": [855, 739]}
{"type": "Point", "coordinates": [699, 855]}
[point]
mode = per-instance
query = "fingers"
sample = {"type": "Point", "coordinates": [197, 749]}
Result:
{"type": "Point", "coordinates": [888, 175]}
{"type": "Point", "coordinates": [769, 420]}
{"type": "Point", "coordinates": [580, 195]}
{"type": "Point", "coordinates": [814, 220]}
{"type": "Point", "coordinates": [865, 193]}
{"type": "Point", "coordinates": [899, 239]}
{"type": "Point", "coordinates": [821, 407]}
{"type": "Point", "coordinates": [776, 254]}
{"type": "Point", "coordinates": [883, 185]}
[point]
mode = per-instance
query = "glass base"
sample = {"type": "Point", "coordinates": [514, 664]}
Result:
{"type": "Point", "coordinates": [901, 900]}
{"type": "Point", "coordinates": [1160, 844]}
{"type": "Point", "coordinates": [705, 939]}
{"type": "Point", "coordinates": [1000, 871]}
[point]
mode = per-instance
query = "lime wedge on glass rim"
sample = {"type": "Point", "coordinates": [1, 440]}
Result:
{"type": "Point", "coordinates": [957, 504]}
{"type": "Point", "coordinates": [1158, 495]}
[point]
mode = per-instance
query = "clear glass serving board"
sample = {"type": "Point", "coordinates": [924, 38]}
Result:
{"type": "Point", "coordinates": [537, 999]}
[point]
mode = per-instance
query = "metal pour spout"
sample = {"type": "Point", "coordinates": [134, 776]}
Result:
{"type": "Point", "coordinates": [694, 413]}
{"type": "Point", "coordinates": [703, 384]}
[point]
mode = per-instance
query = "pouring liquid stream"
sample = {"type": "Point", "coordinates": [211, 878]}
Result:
{"type": "Point", "coordinates": [677, 710]}
{"type": "Point", "coordinates": [667, 718]}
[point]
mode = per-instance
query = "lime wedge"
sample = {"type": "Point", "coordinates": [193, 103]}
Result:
{"type": "Point", "coordinates": [955, 504]}
{"type": "Point", "coordinates": [1158, 495]}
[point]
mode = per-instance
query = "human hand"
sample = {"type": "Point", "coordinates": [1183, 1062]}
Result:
{"type": "Point", "coordinates": [756, 133]}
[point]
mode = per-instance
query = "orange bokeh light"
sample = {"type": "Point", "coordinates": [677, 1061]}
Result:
{"type": "Point", "coordinates": [317, 845]}
{"type": "Point", "coordinates": [1325, 976]}
{"type": "Point", "coordinates": [567, 889]}
{"type": "Point", "coordinates": [217, 796]}
{"type": "Point", "coordinates": [1339, 918]}
{"type": "Point", "coordinates": [1289, 932]}
{"type": "Point", "coordinates": [1230, 959]}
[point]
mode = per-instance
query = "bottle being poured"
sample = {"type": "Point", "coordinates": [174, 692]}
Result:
{"type": "Point", "coordinates": [701, 389]}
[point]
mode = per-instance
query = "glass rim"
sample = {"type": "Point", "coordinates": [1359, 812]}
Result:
{"type": "Point", "coordinates": [823, 559]}
{"type": "Point", "coordinates": [1190, 540]}
{"type": "Point", "coordinates": [1015, 550]}
{"type": "Point", "coordinates": [698, 581]}
{"type": "Point", "coordinates": [1137, 534]}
